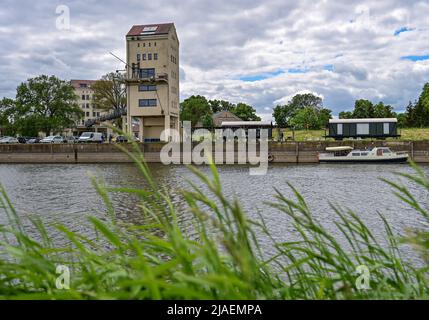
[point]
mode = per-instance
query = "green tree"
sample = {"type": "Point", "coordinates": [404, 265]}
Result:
{"type": "Point", "coordinates": [306, 119]}
{"type": "Point", "coordinates": [301, 101]}
{"type": "Point", "coordinates": [410, 121]}
{"type": "Point", "coordinates": [346, 115]}
{"type": "Point", "coordinates": [418, 113]}
{"type": "Point", "coordinates": [324, 116]}
{"type": "Point", "coordinates": [45, 104]}
{"type": "Point", "coordinates": [195, 109]}
{"type": "Point", "coordinates": [283, 114]}
{"type": "Point", "coordinates": [402, 119]}
{"type": "Point", "coordinates": [383, 111]}
{"type": "Point", "coordinates": [110, 92]}
{"type": "Point", "coordinates": [221, 105]}
{"type": "Point", "coordinates": [421, 115]}
{"type": "Point", "coordinates": [6, 108]}
{"type": "Point", "coordinates": [363, 109]}
{"type": "Point", "coordinates": [245, 112]}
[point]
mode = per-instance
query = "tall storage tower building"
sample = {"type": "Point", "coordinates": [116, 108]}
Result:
{"type": "Point", "coordinates": [152, 80]}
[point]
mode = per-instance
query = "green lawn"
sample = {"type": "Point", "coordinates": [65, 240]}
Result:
{"type": "Point", "coordinates": [314, 135]}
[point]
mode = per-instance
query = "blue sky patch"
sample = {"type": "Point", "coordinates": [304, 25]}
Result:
{"type": "Point", "coordinates": [328, 67]}
{"type": "Point", "coordinates": [262, 76]}
{"type": "Point", "coordinates": [297, 70]}
{"type": "Point", "coordinates": [416, 58]}
{"type": "Point", "coordinates": [401, 30]}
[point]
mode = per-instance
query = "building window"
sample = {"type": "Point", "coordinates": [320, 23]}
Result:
{"type": "Point", "coordinates": [340, 129]}
{"type": "Point", "coordinates": [83, 85]}
{"type": "Point", "coordinates": [147, 88]}
{"type": "Point", "coordinates": [83, 97]}
{"type": "Point", "coordinates": [149, 56]}
{"type": "Point", "coordinates": [362, 128]}
{"type": "Point", "coordinates": [386, 128]}
{"type": "Point", "coordinates": [155, 56]}
{"type": "Point", "coordinates": [149, 44]}
{"type": "Point", "coordinates": [144, 56]}
{"type": "Point", "coordinates": [87, 114]}
{"type": "Point", "coordinates": [93, 114]}
{"type": "Point", "coordinates": [138, 56]}
{"type": "Point", "coordinates": [144, 44]}
{"type": "Point", "coordinates": [87, 105]}
{"type": "Point", "coordinates": [147, 103]}
{"type": "Point", "coordinates": [147, 73]}
{"type": "Point", "coordinates": [138, 44]}
{"type": "Point", "coordinates": [83, 105]}
{"type": "Point", "coordinates": [154, 44]}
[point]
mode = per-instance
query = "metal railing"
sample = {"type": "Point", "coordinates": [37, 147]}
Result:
{"type": "Point", "coordinates": [116, 114]}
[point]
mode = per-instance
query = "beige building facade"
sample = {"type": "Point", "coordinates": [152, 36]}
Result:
{"type": "Point", "coordinates": [152, 81]}
{"type": "Point", "coordinates": [84, 92]}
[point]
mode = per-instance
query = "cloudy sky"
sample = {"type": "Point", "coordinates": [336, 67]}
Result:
{"type": "Point", "coordinates": [258, 52]}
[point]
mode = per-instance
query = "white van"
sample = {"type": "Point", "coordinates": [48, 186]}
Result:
{"type": "Point", "coordinates": [91, 137]}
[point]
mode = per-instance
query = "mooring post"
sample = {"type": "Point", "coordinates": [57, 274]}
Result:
{"type": "Point", "coordinates": [75, 153]}
{"type": "Point", "coordinates": [297, 151]}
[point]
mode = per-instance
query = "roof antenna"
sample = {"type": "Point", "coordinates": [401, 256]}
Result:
{"type": "Point", "coordinates": [126, 64]}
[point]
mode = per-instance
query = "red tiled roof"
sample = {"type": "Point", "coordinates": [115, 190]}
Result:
{"type": "Point", "coordinates": [77, 83]}
{"type": "Point", "coordinates": [162, 28]}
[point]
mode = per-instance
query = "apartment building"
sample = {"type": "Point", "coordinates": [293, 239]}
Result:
{"type": "Point", "coordinates": [84, 92]}
{"type": "Point", "coordinates": [152, 80]}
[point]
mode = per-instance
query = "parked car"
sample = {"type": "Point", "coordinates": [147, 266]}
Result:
{"type": "Point", "coordinates": [121, 139]}
{"type": "Point", "coordinates": [33, 140]}
{"type": "Point", "coordinates": [8, 140]}
{"type": "Point", "coordinates": [22, 140]}
{"type": "Point", "coordinates": [70, 139]}
{"type": "Point", "coordinates": [52, 139]}
{"type": "Point", "coordinates": [91, 137]}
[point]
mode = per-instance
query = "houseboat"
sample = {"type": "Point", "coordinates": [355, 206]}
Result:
{"type": "Point", "coordinates": [347, 154]}
{"type": "Point", "coordinates": [375, 128]}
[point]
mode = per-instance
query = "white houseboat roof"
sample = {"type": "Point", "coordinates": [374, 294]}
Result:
{"type": "Point", "coordinates": [345, 148]}
{"type": "Point", "coordinates": [245, 123]}
{"type": "Point", "coordinates": [368, 120]}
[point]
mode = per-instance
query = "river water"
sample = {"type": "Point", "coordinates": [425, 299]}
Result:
{"type": "Point", "coordinates": [64, 194]}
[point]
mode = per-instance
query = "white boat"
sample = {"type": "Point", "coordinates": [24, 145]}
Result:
{"type": "Point", "coordinates": [348, 154]}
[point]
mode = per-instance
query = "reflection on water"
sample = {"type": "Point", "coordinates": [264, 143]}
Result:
{"type": "Point", "coordinates": [64, 194]}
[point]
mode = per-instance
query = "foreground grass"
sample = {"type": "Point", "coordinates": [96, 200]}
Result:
{"type": "Point", "coordinates": [221, 260]}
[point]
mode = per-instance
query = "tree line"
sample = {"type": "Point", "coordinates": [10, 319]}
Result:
{"type": "Point", "coordinates": [415, 115]}
{"type": "Point", "coordinates": [48, 105]}
{"type": "Point", "coordinates": [303, 111]}
{"type": "Point", "coordinates": [199, 110]}
{"type": "Point", "coordinates": [306, 111]}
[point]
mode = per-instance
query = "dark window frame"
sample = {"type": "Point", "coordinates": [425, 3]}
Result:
{"type": "Point", "coordinates": [147, 103]}
{"type": "Point", "coordinates": [147, 73]}
{"type": "Point", "coordinates": [143, 88]}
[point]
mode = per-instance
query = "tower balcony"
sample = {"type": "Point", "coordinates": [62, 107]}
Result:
{"type": "Point", "coordinates": [137, 78]}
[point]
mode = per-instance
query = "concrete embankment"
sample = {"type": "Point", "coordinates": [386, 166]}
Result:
{"type": "Point", "coordinates": [287, 152]}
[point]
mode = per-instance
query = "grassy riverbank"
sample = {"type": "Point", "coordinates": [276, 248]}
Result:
{"type": "Point", "coordinates": [415, 134]}
{"type": "Point", "coordinates": [221, 259]}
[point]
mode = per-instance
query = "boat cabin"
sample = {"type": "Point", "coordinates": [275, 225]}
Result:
{"type": "Point", "coordinates": [339, 151]}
